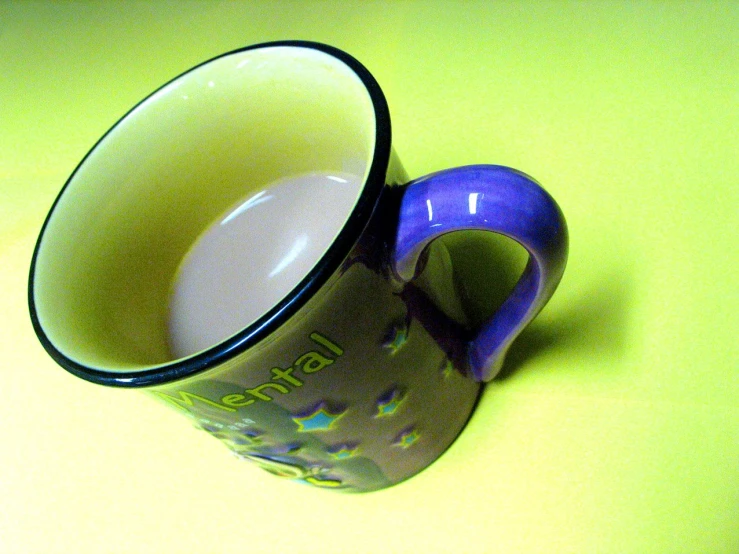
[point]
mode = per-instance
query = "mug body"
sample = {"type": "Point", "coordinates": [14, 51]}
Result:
{"type": "Point", "coordinates": [359, 389]}
{"type": "Point", "coordinates": [314, 361]}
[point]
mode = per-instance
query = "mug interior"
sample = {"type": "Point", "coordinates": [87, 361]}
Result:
{"type": "Point", "coordinates": [113, 241]}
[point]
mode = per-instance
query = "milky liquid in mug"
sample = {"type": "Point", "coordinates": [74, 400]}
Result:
{"type": "Point", "coordinates": [253, 255]}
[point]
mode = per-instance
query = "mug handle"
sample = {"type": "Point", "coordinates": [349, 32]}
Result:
{"type": "Point", "coordinates": [490, 198]}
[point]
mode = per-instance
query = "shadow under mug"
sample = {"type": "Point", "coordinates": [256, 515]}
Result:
{"type": "Point", "coordinates": [344, 373]}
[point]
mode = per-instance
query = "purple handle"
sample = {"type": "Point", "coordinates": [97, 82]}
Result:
{"type": "Point", "coordinates": [501, 200]}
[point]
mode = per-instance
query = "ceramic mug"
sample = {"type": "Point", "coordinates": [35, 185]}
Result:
{"type": "Point", "coordinates": [242, 246]}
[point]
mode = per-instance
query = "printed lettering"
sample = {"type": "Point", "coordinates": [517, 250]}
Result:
{"type": "Point", "coordinates": [286, 375]}
{"type": "Point", "coordinates": [328, 343]}
{"type": "Point", "coordinates": [236, 400]}
{"type": "Point", "coordinates": [257, 391]}
{"type": "Point", "coordinates": [186, 399]}
{"type": "Point", "coordinates": [312, 362]}
{"type": "Point", "coordinates": [309, 363]}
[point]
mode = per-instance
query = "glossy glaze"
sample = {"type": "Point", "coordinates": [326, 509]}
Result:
{"type": "Point", "coordinates": [354, 392]}
{"type": "Point", "coordinates": [501, 200]}
{"type": "Point", "coordinates": [355, 380]}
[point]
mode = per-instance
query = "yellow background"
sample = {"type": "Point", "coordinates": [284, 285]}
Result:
{"type": "Point", "coordinates": [616, 425]}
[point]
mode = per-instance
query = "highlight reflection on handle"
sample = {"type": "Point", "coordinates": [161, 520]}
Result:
{"type": "Point", "coordinates": [497, 199]}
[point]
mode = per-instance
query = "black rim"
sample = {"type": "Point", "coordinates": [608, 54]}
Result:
{"type": "Point", "coordinates": [297, 298]}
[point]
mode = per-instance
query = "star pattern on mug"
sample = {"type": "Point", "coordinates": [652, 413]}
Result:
{"type": "Point", "coordinates": [407, 438]}
{"type": "Point", "coordinates": [318, 419]}
{"type": "Point", "coordinates": [396, 337]}
{"type": "Point", "coordinates": [343, 451]}
{"type": "Point", "coordinates": [389, 402]}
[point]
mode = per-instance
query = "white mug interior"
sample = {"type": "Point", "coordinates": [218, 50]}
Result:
{"type": "Point", "coordinates": [148, 189]}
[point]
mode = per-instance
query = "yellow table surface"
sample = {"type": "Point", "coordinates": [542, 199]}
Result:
{"type": "Point", "coordinates": [616, 425]}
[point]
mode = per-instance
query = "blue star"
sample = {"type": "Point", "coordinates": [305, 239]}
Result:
{"type": "Point", "coordinates": [396, 338]}
{"type": "Point", "coordinates": [343, 451]}
{"type": "Point", "coordinates": [389, 403]}
{"type": "Point", "coordinates": [319, 420]}
{"type": "Point", "coordinates": [407, 438]}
